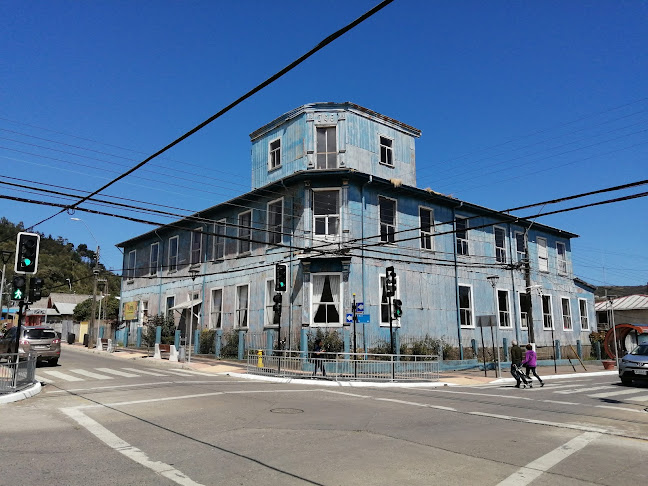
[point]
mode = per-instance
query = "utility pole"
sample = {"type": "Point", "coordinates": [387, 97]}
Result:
{"type": "Point", "coordinates": [527, 276]}
{"type": "Point", "coordinates": [6, 255]}
{"type": "Point", "coordinates": [95, 273]}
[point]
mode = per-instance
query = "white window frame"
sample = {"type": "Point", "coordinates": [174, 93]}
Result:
{"type": "Point", "coordinates": [567, 321]}
{"type": "Point", "coordinates": [507, 312]}
{"type": "Point", "coordinates": [386, 236]}
{"type": "Point", "coordinates": [143, 311]}
{"type": "Point", "coordinates": [153, 265]}
{"type": "Point", "coordinates": [327, 217]}
{"type": "Point", "coordinates": [196, 233]}
{"type": "Point", "coordinates": [500, 251]}
{"type": "Point", "coordinates": [472, 305]}
{"type": "Point", "coordinates": [381, 289]}
{"type": "Point", "coordinates": [389, 150]}
{"type": "Point", "coordinates": [214, 314]}
{"type": "Point", "coordinates": [219, 240]}
{"type": "Point", "coordinates": [198, 316]}
{"type": "Point", "coordinates": [244, 239]}
{"type": "Point", "coordinates": [584, 318]}
{"type": "Point", "coordinates": [239, 309]}
{"type": "Point", "coordinates": [543, 254]}
{"type": "Point", "coordinates": [561, 262]}
{"type": "Point", "coordinates": [315, 304]}
{"type": "Point", "coordinates": [132, 262]}
{"type": "Point", "coordinates": [275, 233]}
{"type": "Point", "coordinates": [427, 236]}
{"type": "Point", "coordinates": [169, 313]}
{"type": "Point", "coordinates": [521, 254]}
{"type": "Point", "coordinates": [327, 154]}
{"type": "Point", "coordinates": [173, 260]}
{"type": "Point", "coordinates": [462, 243]}
{"type": "Point", "coordinates": [550, 315]}
{"type": "Point", "coordinates": [520, 311]}
{"type": "Point", "coordinates": [274, 155]}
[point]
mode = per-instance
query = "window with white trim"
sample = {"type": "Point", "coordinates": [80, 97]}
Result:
{"type": "Point", "coordinates": [326, 212]}
{"type": "Point", "coordinates": [220, 228]}
{"type": "Point", "coordinates": [504, 313]}
{"type": "Point", "coordinates": [465, 306]}
{"type": "Point", "coordinates": [566, 314]}
{"type": "Point", "coordinates": [561, 257]}
{"type": "Point", "coordinates": [130, 270]}
{"type": "Point", "coordinates": [520, 246]}
{"type": "Point", "coordinates": [543, 256]}
{"type": "Point", "coordinates": [242, 305]}
{"type": "Point", "coordinates": [426, 223]}
{"type": "Point", "coordinates": [244, 232]}
{"type": "Point", "coordinates": [326, 148]}
{"type": "Point", "coordinates": [216, 309]}
{"type": "Point", "coordinates": [154, 258]}
{"type": "Point", "coordinates": [274, 159]}
{"type": "Point", "coordinates": [326, 301]}
{"type": "Point", "coordinates": [145, 312]}
{"type": "Point", "coordinates": [196, 246]}
{"type": "Point", "coordinates": [584, 317]}
{"type": "Point", "coordinates": [500, 244]}
{"type": "Point", "coordinates": [524, 300]}
{"type": "Point", "coordinates": [173, 254]}
{"type": "Point", "coordinates": [386, 151]}
{"type": "Point", "coordinates": [461, 234]}
{"type": "Point", "coordinates": [170, 302]}
{"type": "Point", "coordinates": [547, 314]}
{"type": "Point", "coordinates": [275, 221]}
{"type": "Point", "coordinates": [387, 209]}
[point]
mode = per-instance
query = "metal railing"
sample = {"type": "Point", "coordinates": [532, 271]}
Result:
{"type": "Point", "coordinates": [344, 366]}
{"type": "Point", "coordinates": [16, 373]}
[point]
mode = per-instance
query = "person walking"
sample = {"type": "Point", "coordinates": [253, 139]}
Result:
{"type": "Point", "coordinates": [318, 357]}
{"type": "Point", "coordinates": [516, 362]}
{"type": "Point", "coordinates": [530, 362]}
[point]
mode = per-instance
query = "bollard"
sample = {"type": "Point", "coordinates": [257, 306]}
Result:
{"type": "Point", "coordinates": [475, 348]}
{"type": "Point", "coordinates": [260, 359]}
{"type": "Point", "coordinates": [176, 340]}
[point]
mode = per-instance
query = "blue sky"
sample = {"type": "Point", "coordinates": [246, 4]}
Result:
{"type": "Point", "coordinates": [518, 102]}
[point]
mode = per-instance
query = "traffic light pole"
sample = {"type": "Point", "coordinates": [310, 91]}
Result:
{"type": "Point", "coordinates": [355, 346]}
{"type": "Point", "coordinates": [95, 273]}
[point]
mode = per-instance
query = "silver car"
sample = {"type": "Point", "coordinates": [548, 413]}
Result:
{"type": "Point", "coordinates": [41, 341]}
{"type": "Point", "coordinates": [634, 365]}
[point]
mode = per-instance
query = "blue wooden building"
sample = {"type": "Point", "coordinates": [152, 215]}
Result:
{"type": "Point", "coordinates": [334, 197]}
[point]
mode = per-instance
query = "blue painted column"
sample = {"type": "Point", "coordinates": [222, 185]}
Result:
{"type": "Point", "coordinates": [557, 345]}
{"type": "Point", "coordinates": [196, 341]}
{"type": "Point", "coordinates": [303, 343]}
{"type": "Point", "coordinates": [176, 340]}
{"type": "Point", "coordinates": [101, 332]}
{"type": "Point", "coordinates": [218, 343]}
{"type": "Point", "coordinates": [397, 343]}
{"type": "Point", "coordinates": [241, 345]}
{"type": "Point", "coordinates": [139, 337]}
{"type": "Point", "coordinates": [506, 348]}
{"type": "Point", "coordinates": [270, 334]}
{"type": "Point", "coordinates": [126, 331]}
{"type": "Point", "coordinates": [158, 334]}
{"type": "Point", "coordinates": [475, 348]}
{"type": "Point", "coordinates": [347, 341]}
{"type": "Point", "coordinates": [597, 349]}
{"type": "Point", "coordinates": [579, 348]}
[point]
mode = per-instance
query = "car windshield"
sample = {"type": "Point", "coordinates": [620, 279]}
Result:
{"type": "Point", "coordinates": [641, 350]}
{"type": "Point", "coordinates": [39, 334]}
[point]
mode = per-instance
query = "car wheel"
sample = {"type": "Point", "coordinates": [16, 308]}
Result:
{"type": "Point", "coordinates": [53, 362]}
{"type": "Point", "coordinates": [626, 381]}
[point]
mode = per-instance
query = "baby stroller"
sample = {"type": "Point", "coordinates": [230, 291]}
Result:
{"type": "Point", "coordinates": [525, 382]}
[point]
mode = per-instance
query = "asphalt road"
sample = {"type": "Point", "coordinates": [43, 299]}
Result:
{"type": "Point", "coordinates": [101, 420]}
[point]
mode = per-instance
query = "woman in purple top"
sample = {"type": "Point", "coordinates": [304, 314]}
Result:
{"type": "Point", "coordinates": [529, 362]}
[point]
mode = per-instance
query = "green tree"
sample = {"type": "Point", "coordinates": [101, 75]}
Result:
{"type": "Point", "coordinates": [109, 308]}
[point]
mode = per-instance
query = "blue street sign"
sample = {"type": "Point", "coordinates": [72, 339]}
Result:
{"type": "Point", "coordinates": [349, 318]}
{"type": "Point", "coordinates": [359, 307]}
{"type": "Point", "coordinates": [363, 319]}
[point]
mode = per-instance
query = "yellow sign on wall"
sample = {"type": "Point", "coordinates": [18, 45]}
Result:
{"type": "Point", "coordinates": [130, 311]}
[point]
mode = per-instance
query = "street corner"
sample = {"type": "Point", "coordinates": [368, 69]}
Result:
{"type": "Point", "coordinates": [32, 390]}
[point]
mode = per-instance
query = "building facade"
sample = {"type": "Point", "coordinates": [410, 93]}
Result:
{"type": "Point", "coordinates": [334, 198]}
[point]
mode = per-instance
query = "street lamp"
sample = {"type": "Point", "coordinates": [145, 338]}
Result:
{"type": "Point", "coordinates": [95, 273]}
{"type": "Point", "coordinates": [493, 279]}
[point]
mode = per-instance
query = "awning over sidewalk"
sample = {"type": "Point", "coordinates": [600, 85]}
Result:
{"type": "Point", "coordinates": [186, 305]}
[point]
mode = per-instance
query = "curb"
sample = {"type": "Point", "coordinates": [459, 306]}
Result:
{"type": "Point", "coordinates": [34, 389]}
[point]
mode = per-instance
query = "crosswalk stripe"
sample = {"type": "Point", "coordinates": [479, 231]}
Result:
{"type": "Point", "coordinates": [63, 376]}
{"type": "Point", "coordinates": [580, 390]}
{"type": "Point", "coordinates": [614, 393]}
{"type": "Point", "coordinates": [152, 373]}
{"type": "Point", "coordinates": [44, 380]}
{"type": "Point", "coordinates": [117, 372]}
{"type": "Point", "coordinates": [192, 372]}
{"type": "Point", "coordinates": [643, 398]}
{"type": "Point", "coordinates": [176, 372]}
{"type": "Point", "coordinates": [90, 374]}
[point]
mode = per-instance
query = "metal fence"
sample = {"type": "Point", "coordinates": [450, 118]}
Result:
{"type": "Point", "coordinates": [16, 374]}
{"type": "Point", "coordinates": [344, 366]}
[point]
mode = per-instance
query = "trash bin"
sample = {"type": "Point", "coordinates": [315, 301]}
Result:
{"type": "Point", "coordinates": [85, 340]}
{"type": "Point", "coordinates": [71, 338]}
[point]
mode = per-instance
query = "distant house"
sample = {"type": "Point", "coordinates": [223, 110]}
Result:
{"type": "Point", "coordinates": [631, 309]}
{"type": "Point", "coordinates": [57, 311]}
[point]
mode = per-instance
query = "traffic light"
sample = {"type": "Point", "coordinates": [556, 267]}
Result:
{"type": "Point", "coordinates": [35, 286]}
{"type": "Point", "coordinates": [19, 284]}
{"type": "Point", "coordinates": [398, 308]}
{"type": "Point", "coordinates": [390, 282]}
{"type": "Point", "coordinates": [280, 277]}
{"type": "Point", "coordinates": [277, 308]}
{"type": "Point", "coordinates": [27, 245]}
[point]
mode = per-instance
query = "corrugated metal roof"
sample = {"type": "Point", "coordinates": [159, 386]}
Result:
{"type": "Point", "coordinates": [65, 309]}
{"type": "Point", "coordinates": [629, 302]}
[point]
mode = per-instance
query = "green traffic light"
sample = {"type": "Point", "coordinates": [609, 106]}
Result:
{"type": "Point", "coordinates": [17, 294]}
{"type": "Point", "coordinates": [26, 262]}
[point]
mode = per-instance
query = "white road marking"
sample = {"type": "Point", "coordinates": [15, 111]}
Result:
{"type": "Point", "coordinates": [63, 376]}
{"type": "Point", "coordinates": [560, 403]}
{"type": "Point", "coordinates": [535, 469]}
{"type": "Point", "coordinates": [175, 372]}
{"type": "Point", "coordinates": [643, 398]}
{"type": "Point", "coordinates": [484, 394]}
{"type": "Point", "coordinates": [580, 390]}
{"type": "Point", "coordinates": [614, 393]}
{"type": "Point", "coordinates": [75, 390]}
{"type": "Point", "coordinates": [90, 374]}
{"type": "Point", "coordinates": [44, 380]}
{"type": "Point", "coordinates": [152, 373]}
{"type": "Point", "coordinates": [625, 409]}
{"type": "Point", "coordinates": [192, 372]}
{"type": "Point", "coordinates": [123, 447]}
{"type": "Point", "coordinates": [348, 394]}
{"type": "Point", "coordinates": [117, 372]}
{"type": "Point", "coordinates": [583, 428]}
